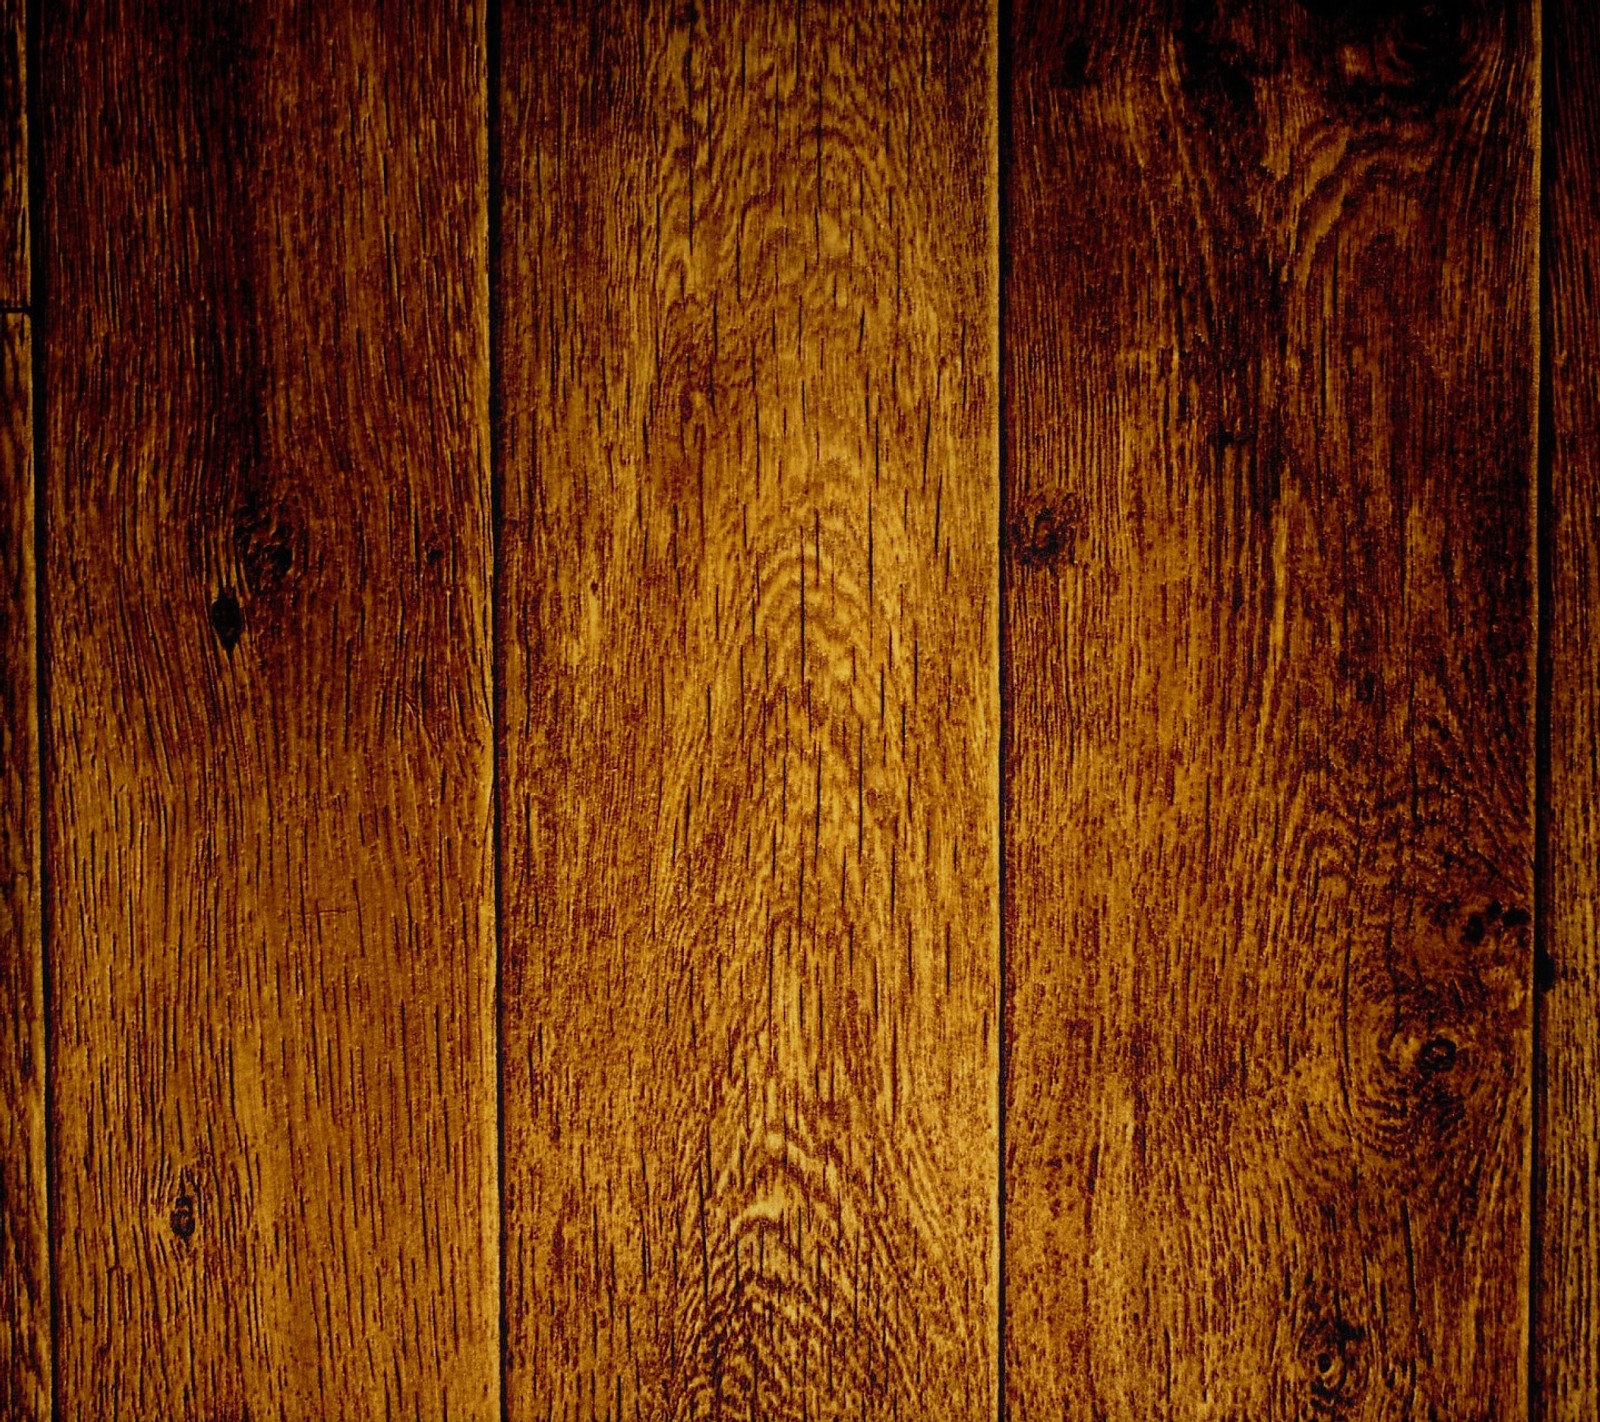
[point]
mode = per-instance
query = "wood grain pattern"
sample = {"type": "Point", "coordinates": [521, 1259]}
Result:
{"type": "Point", "coordinates": [1269, 393]}
{"type": "Point", "coordinates": [1566, 1360]}
{"type": "Point", "coordinates": [24, 1207]}
{"type": "Point", "coordinates": [749, 768]}
{"type": "Point", "coordinates": [270, 736]}
{"type": "Point", "coordinates": [14, 270]}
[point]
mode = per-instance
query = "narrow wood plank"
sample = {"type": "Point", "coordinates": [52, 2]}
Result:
{"type": "Point", "coordinates": [749, 768]}
{"type": "Point", "coordinates": [1566, 1359]}
{"type": "Point", "coordinates": [24, 1207]}
{"type": "Point", "coordinates": [14, 271]}
{"type": "Point", "coordinates": [270, 724]}
{"type": "Point", "coordinates": [1270, 385]}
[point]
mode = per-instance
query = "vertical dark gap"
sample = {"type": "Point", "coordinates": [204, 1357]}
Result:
{"type": "Point", "coordinates": [32, 110]}
{"type": "Point", "coordinates": [1544, 556]}
{"type": "Point", "coordinates": [1003, 182]}
{"type": "Point", "coordinates": [496, 506]}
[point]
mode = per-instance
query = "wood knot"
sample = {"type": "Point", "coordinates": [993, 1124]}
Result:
{"type": "Point", "coordinates": [1421, 1087]}
{"type": "Point", "coordinates": [268, 542]}
{"type": "Point", "coordinates": [1043, 535]}
{"type": "Point", "coordinates": [1217, 67]}
{"type": "Point", "coordinates": [1492, 921]}
{"type": "Point", "coordinates": [1437, 1054]}
{"type": "Point", "coordinates": [1332, 1356]}
{"type": "Point", "coordinates": [182, 1217]}
{"type": "Point", "coordinates": [227, 620]}
{"type": "Point", "coordinates": [1069, 64]}
{"type": "Point", "coordinates": [1428, 1058]}
{"type": "Point", "coordinates": [1401, 53]}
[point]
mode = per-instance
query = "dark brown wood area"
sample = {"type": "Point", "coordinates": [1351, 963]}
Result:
{"type": "Point", "coordinates": [1271, 354]}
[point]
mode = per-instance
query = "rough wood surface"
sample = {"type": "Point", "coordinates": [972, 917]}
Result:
{"type": "Point", "coordinates": [1269, 394]}
{"type": "Point", "coordinates": [1566, 1361]}
{"type": "Point", "coordinates": [24, 1210]}
{"type": "Point", "coordinates": [749, 768]}
{"type": "Point", "coordinates": [270, 748]}
{"type": "Point", "coordinates": [14, 277]}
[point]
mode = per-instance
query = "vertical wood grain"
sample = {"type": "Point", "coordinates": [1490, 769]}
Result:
{"type": "Point", "coordinates": [1270, 383]}
{"type": "Point", "coordinates": [270, 748]}
{"type": "Point", "coordinates": [14, 271]}
{"type": "Point", "coordinates": [749, 769]}
{"type": "Point", "coordinates": [1567, 1327]}
{"type": "Point", "coordinates": [24, 1207]}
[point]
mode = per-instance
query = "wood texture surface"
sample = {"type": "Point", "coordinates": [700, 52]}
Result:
{"type": "Point", "coordinates": [745, 322]}
{"type": "Point", "coordinates": [1567, 1327]}
{"type": "Point", "coordinates": [14, 272]}
{"type": "Point", "coordinates": [270, 737]}
{"type": "Point", "coordinates": [24, 1207]}
{"type": "Point", "coordinates": [1270, 393]}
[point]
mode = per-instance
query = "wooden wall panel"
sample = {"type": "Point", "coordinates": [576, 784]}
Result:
{"type": "Point", "coordinates": [270, 746]}
{"type": "Point", "coordinates": [745, 315]}
{"type": "Point", "coordinates": [24, 1206]}
{"type": "Point", "coordinates": [1269, 840]}
{"type": "Point", "coordinates": [1567, 1326]}
{"type": "Point", "coordinates": [14, 271]}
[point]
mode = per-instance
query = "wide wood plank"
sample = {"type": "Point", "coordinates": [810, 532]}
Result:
{"type": "Point", "coordinates": [14, 270]}
{"type": "Point", "coordinates": [24, 1207]}
{"type": "Point", "coordinates": [1269, 840]}
{"type": "Point", "coordinates": [1566, 1361]}
{"type": "Point", "coordinates": [270, 735]}
{"type": "Point", "coordinates": [746, 311]}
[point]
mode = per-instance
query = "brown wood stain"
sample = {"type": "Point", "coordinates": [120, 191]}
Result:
{"type": "Point", "coordinates": [775, 710]}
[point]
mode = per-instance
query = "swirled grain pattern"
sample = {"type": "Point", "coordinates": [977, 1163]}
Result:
{"type": "Point", "coordinates": [749, 667]}
{"type": "Point", "coordinates": [1269, 393]}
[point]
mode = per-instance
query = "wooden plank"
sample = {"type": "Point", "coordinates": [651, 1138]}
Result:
{"type": "Point", "coordinates": [14, 277]}
{"type": "Point", "coordinates": [1566, 1361]}
{"type": "Point", "coordinates": [270, 732]}
{"type": "Point", "coordinates": [1269, 839]}
{"type": "Point", "coordinates": [749, 660]}
{"type": "Point", "coordinates": [24, 1206]}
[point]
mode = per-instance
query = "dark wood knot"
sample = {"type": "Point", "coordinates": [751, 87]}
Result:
{"type": "Point", "coordinates": [182, 1217]}
{"type": "Point", "coordinates": [1492, 920]}
{"type": "Point", "coordinates": [1436, 1055]}
{"type": "Point", "coordinates": [227, 619]}
{"type": "Point", "coordinates": [1333, 1355]}
{"type": "Point", "coordinates": [267, 542]}
{"type": "Point", "coordinates": [1405, 54]}
{"type": "Point", "coordinates": [1044, 535]}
